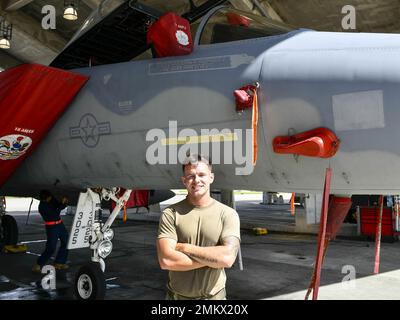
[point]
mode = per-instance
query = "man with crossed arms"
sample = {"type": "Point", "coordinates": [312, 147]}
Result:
{"type": "Point", "coordinates": [197, 238]}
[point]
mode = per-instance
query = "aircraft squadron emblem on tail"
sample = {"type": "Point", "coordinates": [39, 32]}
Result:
{"type": "Point", "coordinates": [13, 146]}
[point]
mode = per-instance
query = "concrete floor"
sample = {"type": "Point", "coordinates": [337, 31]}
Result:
{"type": "Point", "coordinates": [276, 265]}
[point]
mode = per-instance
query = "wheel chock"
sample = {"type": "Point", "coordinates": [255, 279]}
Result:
{"type": "Point", "coordinates": [15, 248]}
{"type": "Point", "coordinates": [260, 231]}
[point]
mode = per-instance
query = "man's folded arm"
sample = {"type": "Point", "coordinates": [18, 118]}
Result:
{"type": "Point", "coordinates": [222, 256]}
{"type": "Point", "coordinates": [171, 259]}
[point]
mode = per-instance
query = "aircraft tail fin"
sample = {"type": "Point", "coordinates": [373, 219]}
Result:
{"type": "Point", "coordinates": [32, 98]}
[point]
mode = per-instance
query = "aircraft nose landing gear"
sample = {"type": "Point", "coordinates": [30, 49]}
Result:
{"type": "Point", "coordinates": [8, 230]}
{"type": "Point", "coordinates": [89, 282]}
{"type": "Point", "coordinates": [89, 231]}
{"type": "Point", "coordinates": [8, 226]}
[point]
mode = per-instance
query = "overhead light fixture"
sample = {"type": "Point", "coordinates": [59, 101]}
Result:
{"type": "Point", "coordinates": [4, 44]}
{"type": "Point", "coordinates": [5, 34]}
{"type": "Point", "coordinates": [70, 9]}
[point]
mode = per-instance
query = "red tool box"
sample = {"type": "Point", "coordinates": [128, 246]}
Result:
{"type": "Point", "coordinates": [369, 219]}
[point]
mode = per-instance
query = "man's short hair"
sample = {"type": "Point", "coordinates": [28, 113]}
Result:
{"type": "Point", "coordinates": [196, 158]}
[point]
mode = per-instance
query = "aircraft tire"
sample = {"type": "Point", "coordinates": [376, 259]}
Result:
{"type": "Point", "coordinates": [90, 283]}
{"type": "Point", "coordinates": [8, 230]}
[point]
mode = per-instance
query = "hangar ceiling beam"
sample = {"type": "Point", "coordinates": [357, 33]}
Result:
{"type": "Point", "coordinates": [30, 42]}
{"type": "Point", "coordinates": [12, 5]}
{"type": "Point", "coordinates": [259, 7]}
{"type": "Point", "coordinates": [8, 61]}
{"type": "Point", "coordinates": [92, 4]}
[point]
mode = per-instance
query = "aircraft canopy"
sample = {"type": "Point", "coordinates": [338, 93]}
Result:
{"type": "Point", "coordinates": [227, 24]}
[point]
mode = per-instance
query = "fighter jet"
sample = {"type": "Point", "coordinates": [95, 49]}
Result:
{"type": "Point", "coordinates": [272, 106]}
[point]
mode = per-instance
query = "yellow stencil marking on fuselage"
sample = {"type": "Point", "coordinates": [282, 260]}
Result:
{"type": "Point", "coordinates": [221, 137]}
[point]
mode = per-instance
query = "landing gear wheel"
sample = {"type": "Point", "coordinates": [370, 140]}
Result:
{"type": "Point", "coordinates": [90, 283]}
{"type": "Point", "coordinates": [8, 230]}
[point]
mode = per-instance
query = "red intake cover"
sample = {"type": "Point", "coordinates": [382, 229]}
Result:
{"type": "Point", "coordinates": [170, 36]}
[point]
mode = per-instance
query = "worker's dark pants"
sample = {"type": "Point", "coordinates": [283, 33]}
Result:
{"type": "Point", "coordinates": [54, 233]}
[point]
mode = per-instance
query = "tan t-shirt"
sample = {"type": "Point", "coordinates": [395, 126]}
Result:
{"type": "Point", "coordinates": [205, 226]}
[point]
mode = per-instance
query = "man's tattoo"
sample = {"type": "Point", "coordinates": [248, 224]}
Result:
{"type": "Point", "coordinates": [232, 242]}
{"type": "Point", "coordinates": [202, 258]}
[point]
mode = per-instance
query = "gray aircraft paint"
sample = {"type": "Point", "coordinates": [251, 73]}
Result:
{"type": "Point", "coordinates": [307, 80]}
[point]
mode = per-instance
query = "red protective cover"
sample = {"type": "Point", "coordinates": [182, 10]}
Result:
{"type": "Point", "coordinates": [138, 198]}
{"type": "Point", "coordinates": [244, 97]}
{"type": "Point", "coordinates": [32, 98]}
{"type": "Point", "coordinates": [319, 142]}
{"type": "Point", "coordinates": [170, 36]}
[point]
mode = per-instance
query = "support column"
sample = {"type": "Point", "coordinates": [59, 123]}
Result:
{"type": "Point", "coordinates": [228, 198]}
{"type": "Point", "coordinates": [312, 208]}
{"type": "Point", "coordinates": [265, 198]}
{"type": "Point", "coordinates": [310, 215]}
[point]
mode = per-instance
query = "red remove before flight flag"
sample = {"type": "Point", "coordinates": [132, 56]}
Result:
{"type": "Point", "coordinates": [32, 98]}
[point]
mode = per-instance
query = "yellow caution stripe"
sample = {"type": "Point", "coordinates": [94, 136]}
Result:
{"type": "Point", "coordinates": [220, 137]}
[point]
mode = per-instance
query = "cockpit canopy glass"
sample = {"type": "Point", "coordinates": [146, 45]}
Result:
{"type": "Point", "coordinates": [228, 24]}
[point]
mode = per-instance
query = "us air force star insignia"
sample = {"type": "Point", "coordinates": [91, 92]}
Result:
{"type": "Point", "coordinates": [89, 130]}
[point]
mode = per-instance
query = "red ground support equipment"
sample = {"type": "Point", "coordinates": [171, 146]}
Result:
{"type": "Point", "coordinates": [319, 142]}
{"type": "Point", "coordinates": [338, 209]}
{"type": "Point", "coordinates": [378, 236]}
{"type": "Point", "coordinates": [170, 36]}
{"type": "Point", "coordinates": [332, 218]}
{"type": "Point", "coordinates": [32, 98]}
{"type": "Point", "coordinates": [369, 219]}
